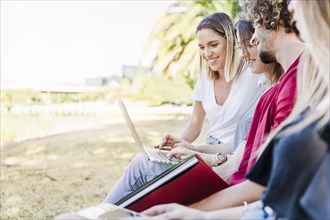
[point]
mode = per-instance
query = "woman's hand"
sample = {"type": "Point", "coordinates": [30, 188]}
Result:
{"type": "Point", "coordinates": [182, 153]}
{"type": "Point", "coordinates": [186, 145]}
{"type": "Point", "coordinates": [169, 142]}
{"type": "Point", "coordinates": [174, 211]}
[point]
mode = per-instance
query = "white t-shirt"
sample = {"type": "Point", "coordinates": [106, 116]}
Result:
{"type": "Point", "coordinates": [223, 119]}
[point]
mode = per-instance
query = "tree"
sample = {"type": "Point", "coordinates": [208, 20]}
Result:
{"type": "Point", "coordinates": [177, 52]}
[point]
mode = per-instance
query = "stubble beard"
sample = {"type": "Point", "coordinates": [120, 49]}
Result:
{"type": "Point", "coordinates": [266, 57]}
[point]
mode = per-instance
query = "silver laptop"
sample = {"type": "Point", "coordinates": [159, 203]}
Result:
{"type": "Point", "coordinates": [152, 154]}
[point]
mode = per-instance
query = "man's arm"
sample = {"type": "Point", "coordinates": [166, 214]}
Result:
{"type": "Point", "coordinates": [231, 213]}
{"type": "Point", "coordinates": [230, 197]}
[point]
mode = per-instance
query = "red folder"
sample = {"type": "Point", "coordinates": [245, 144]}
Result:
{"type": "Point", "coordinates": [184, 183]}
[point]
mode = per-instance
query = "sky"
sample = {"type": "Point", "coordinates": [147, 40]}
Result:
{"type": "Point", "coordinates": [68, 41]}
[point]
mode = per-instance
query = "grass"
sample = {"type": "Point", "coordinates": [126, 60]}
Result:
{"type": "Point", "coordinates": [48, 176]}
{"type": "Point", "coordinates": [19, 127]}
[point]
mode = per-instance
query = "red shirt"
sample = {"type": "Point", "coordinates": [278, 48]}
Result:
{"type": "Point", "coordinates": [273, 107]}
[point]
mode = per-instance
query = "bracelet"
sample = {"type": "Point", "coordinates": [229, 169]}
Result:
{"type": "Point", "coordinates": [246, 207]}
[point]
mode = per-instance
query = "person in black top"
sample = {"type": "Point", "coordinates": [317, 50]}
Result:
{"type": "Point", "coordinates": [286, 168]}
{"type": "Point", "coordinates": [293, 166]}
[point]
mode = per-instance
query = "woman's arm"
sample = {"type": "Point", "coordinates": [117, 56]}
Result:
{"type": "Point", "coordinates": [224, 148]}
{"type": "Point", "coordinates": [231, 213]}
{"type": "Point", "coordinates": [190, 132]}
{"type": "Point", "coordinates": [194, 126]}
{"type": "Point", "coordinates": [176, 211]}
{"type": "Point", "coordinates": [183, 152]}
{"type": "Point", "coordinates": [226, 170]}
{"type": "Point", "coordinates": [232, 196]}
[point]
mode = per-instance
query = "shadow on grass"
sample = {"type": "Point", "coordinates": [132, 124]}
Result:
{"type": "Point", "coordinates": [48, 176]}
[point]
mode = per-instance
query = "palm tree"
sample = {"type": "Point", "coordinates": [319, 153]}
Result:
{"type": "Point", "coordinates": [175, 34]}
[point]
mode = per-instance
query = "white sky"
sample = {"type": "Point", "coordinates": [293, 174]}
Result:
{"type": "Point", "coordinates": [69, 41]}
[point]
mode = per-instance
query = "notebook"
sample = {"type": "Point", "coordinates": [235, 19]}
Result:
{"type": "Point", "coordinates": [185, 183]}
{"type": "Point", "coordinates": [107, 211]}
{"type": "Point", "coordinates": [152, 154]}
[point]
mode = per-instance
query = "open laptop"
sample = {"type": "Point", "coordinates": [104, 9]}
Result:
{"type": "Point", "coordinates": [152, 154]}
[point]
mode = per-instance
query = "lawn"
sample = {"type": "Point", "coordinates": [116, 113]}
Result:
{"type": "Point", "coordinates": [15, 128]}
{"type": "Point", "coordinates": [44, 177]}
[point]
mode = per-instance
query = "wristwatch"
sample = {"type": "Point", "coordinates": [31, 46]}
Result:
{"type": "Point", "coordinates": [220, 158]}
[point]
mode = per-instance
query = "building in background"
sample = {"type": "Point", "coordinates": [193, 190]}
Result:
{"type": "Point", "coordinates": [130, 72]}
{"type": "Point", "coordinates": [97, 81]}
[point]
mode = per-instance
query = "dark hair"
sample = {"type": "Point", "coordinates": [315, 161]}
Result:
{"type": "Point", "coordinates": [244, 30]}
{"type": "Point", "coordinates": [270, 14]}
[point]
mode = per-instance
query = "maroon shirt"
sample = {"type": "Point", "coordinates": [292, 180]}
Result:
{"type": "Point", "coordinates": [273, 107]}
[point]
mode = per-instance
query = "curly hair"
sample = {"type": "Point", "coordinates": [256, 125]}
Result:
{"type": "Point", "coordinates": [270, 14]}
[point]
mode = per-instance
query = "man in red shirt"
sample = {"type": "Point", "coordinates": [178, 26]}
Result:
{"type": "Point", "coordinates": [274, 106]}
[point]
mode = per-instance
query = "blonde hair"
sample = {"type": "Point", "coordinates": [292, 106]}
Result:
{"type": "Point", "coordinates": [313, 71]}
{"type": "Point", "coordinates": [223, 25]}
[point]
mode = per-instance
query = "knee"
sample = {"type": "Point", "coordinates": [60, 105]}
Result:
{"type": "Point", "coordinates": [140, 165]}
{"type": "Point", "coordinates": [140, 162]}
{"type": "Point", "coordinates": [143, 165]}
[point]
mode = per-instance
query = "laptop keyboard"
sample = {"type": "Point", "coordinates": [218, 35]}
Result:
{"type": "Point", "coordinates": [160, 155]}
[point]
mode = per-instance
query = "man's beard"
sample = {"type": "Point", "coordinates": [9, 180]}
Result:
{"type": "Point", "coordinates": [266, 57]}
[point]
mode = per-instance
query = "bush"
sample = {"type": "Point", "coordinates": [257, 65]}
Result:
{"type": "Point", "coordinates": [12, 97]}
{"type": "Point", "coordinates": [162, 90]}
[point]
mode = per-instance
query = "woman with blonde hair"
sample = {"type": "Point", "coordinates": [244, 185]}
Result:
{"type": "Point", "coordinates": [222, 94]}
{"type": "Point", "coordinates": [224, 91]}
{"type": "Point", "coordinates": [293, 166]}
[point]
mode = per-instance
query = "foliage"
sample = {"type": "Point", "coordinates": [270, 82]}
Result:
{"type": "Point", "coordinates": [175, 33]}
{"type": "Point", "coordinates": [20, 127]}
{"type": "Point", "coordinates": [176, 58]}
{"type": "Point", "coordinates": [162, 90]}
{"type": "Point", "coordinates": [11, 97]}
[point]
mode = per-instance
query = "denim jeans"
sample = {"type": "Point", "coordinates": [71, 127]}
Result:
{"type": "Point", "coordinates": [139, 172]}
{"type": "Point", "coordinates": [259, 212]}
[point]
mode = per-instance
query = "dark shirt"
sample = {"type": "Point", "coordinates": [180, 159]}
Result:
{"type": "Point", "coordinates": [288, 166]}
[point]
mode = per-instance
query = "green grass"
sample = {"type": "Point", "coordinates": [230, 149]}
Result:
{"type": "Point", "coordinates": [45, 177]}
{"type": "Point", "coordinates": [18, 127]}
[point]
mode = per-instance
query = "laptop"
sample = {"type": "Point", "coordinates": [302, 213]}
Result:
{"type": "Point", "coordinates": [152, 154]}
